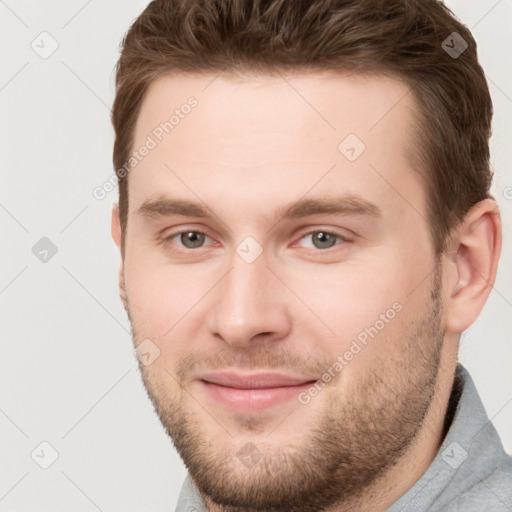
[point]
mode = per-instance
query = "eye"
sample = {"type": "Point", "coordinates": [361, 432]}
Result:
{"type": "Point", "coordinates": [320, 239]}
{"type": "Point", "coordinates": [323, 239]}
{"type": "Point", "coordinates": [189, 239]}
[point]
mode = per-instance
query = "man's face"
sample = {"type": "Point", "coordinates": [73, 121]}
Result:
{"type": "Point", "coordinates": [341, 302]}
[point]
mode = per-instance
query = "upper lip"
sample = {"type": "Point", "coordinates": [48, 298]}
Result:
{"type": "Point", "coordinates": [254, 380]}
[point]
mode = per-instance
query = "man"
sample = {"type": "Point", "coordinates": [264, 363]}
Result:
{"type": "Point", "coordinates": [306, 229]}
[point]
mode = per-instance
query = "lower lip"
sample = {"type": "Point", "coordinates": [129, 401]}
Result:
{"type": "Point", "coordinates": [253, 400]}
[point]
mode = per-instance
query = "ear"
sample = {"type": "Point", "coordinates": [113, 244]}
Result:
{"type": "Point", "coordinates": [117, 237]}
{"type": "Point", "coordinates": [474, 252]}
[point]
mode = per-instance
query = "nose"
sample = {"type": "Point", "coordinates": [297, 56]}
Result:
{"type": "Point", "coordinates": [250, 304]}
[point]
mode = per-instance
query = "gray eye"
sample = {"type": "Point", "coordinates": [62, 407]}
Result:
{"type": "Point", "coordinates": [192, 239]}
{"type": "Point", "coordinates": [322, 240]}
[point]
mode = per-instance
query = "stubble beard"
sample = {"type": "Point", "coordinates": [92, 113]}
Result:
{"type": "Point", "coordinates": [362, 433]}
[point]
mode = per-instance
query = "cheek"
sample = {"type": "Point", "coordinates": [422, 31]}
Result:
{"type": "Point", "coordinates": [343, 299]}
{"type": "Point", "coordinates": [167, 303]}
{"type": "Point", "coordinates": [156, 297]}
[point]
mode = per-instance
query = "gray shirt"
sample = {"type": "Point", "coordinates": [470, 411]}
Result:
{"type": "Point", "coordinates": [470, 473]}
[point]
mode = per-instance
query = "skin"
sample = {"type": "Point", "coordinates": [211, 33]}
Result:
{"type": "Point", "coordinates": [251, 147]}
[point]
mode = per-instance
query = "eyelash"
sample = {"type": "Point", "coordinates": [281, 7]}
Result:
{"type": "Point", "coordinates": [344, 240]}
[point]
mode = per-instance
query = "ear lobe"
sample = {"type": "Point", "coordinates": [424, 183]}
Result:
{"type": "Point", "coordinates": [473, 264]}
{"type": "Point", "coordinates": [115, 228]}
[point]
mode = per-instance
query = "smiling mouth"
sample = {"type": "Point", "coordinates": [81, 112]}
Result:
{"type": "Point", "coordinates": [253, 393]}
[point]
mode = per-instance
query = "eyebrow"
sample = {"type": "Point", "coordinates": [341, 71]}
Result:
{"type": "Point", "coordinates": [343, 205]}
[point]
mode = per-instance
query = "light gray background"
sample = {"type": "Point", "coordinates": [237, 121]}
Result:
{"type": "Point", "coordinates": [68, 371]}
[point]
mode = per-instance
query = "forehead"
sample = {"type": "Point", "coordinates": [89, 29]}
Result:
{"type": "Point", "coordinates": [261, 135]}
{"type": "Point", "coordinates": [324, 105]}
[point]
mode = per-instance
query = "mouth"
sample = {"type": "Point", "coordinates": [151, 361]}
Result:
{"type": "Point", "coordinates": [253, 392]}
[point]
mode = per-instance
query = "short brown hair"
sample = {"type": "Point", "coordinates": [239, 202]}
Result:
{"type": "Point", "coordinates": [402, 38]}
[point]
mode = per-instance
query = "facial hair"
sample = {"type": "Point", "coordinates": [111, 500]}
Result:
{"type": "Point", "coordinates": [363, 431]}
